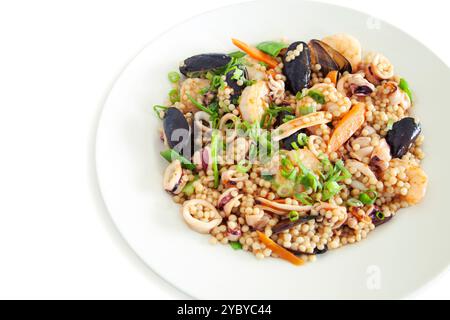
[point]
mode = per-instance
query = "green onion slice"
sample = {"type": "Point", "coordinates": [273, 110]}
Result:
{"type": "Point", "coordinates": [354, 203]}
{"type": "Point", "coordinates": [214, 152]}
{"type": "Point", "coordinates": [171, 155]}
{"type": "Point", "coordinates": [174, 76]}
{"type": "Point", "coordinates": [242, 168]}
{"type": "Point", "coordinates": [368, 197]}
{"type": "Point", "coordinates": [294, 216]}
{"type": "Point", "coordinates": [304, 198]}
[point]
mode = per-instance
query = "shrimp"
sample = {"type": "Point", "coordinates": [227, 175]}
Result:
{"type": "Point", "coordinates": [254, 102]}
{"type": "Point", "coordinates": [418, 181]}
{"type": "Point", "coordinates": [346, 45]}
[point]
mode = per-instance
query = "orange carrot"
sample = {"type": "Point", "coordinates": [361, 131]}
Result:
{"type": "Point", "coordinates": [347, 126]}
{"type": "Point", "coordinates": [280, 251]}
{"type": "Point", "coordinates": [256, 53]}
{"type": "Point", "coordinates": [333, 76]}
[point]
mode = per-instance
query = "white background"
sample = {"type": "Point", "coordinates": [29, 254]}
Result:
{"type": "Point", "coordinates": [58, 60]}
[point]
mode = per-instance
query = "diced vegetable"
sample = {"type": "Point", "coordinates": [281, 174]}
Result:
{"type": "Point", "coordinates": [256, 53]}
{"type": "Point", "coordinates": [347, 126]}
{"type": "Point", "coordinates": [280, 251]}
{"type": "Point", "coordinates": [171, 155]}
{"type": "Point", "coordinates": [271, 47]}
{"type": "Point", "coordinates": [236, 245]}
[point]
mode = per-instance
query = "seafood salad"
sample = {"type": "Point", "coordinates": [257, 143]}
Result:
{"type": "Point", "coordinates": [291, 149]}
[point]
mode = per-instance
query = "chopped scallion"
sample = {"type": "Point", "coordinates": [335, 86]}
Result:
{"type": "Point", "coordinates": [294, 216]}
{"type": "Point", "coordinates": [368, 197]}
{"type": "Point", "coordinates": [174, 76]}
{"type": "Point", "coordinates": [174, 96]}
{"type": "Point", "coordinates": [354, 203]}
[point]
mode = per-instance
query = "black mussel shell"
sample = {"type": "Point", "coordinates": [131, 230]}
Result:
{"type": "Point", "coordinates": [297, 71]}
{"type": "Point", "coordinates": [287, 143]}
{"type": "Point", "coordinates": [328, 58]}
{"type": "Point", "coordinates": [402, 136]}
{"type": "Point", "coordinates": [232, 83]}
{"type": "Point", "coordinates": [177, 132]}
{"type": "Point", "coordinates": [198, 65]}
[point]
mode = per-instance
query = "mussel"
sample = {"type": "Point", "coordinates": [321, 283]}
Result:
{"type": "Point", "coordinates": [297, 66]}
{"type": "Point", "coordinates": [198, 65]}
{"type": "Point", "coordinates": [177, 132]}
{"type": "Point", "coordinates": [328, 58]}
{"type": "Point", "coordinates": [232, 78]}
{"type": "Point", "coordinates": [402, 136]}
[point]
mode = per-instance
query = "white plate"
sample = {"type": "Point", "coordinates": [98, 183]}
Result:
{"type": "Point", "coordinates": [395, 260]}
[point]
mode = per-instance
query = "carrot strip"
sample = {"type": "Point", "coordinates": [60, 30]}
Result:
{"type": "Point", "coordinates": [256, 53]}
{"type": "Point", "coordinates": [280, 251]}
{"type": "Point", "coordinates": [347, 126]}
{"type": "Point", "coordinates": [333, 76]}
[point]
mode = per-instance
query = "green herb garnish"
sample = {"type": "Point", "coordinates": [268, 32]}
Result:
{"type": "Point", "coordinates": [304, 198]}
